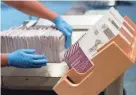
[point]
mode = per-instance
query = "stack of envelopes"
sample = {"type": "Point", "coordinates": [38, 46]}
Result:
{"type": "Point", "coordinates": [47, 41]}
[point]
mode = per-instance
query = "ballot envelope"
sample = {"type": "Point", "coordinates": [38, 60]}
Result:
{"type": "Point", "coordinates": [93, 67]}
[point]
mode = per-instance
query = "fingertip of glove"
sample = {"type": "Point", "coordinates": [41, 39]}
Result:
{"type": "Point", "coordinates": [67, 46]}
{"type": "Point", "coordinates": [68, 34]}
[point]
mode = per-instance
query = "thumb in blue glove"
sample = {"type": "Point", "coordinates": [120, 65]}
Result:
{"type": "Point", "coordinates": [25, 58]}
{"type": "Point", "coordinates": [65, 28]}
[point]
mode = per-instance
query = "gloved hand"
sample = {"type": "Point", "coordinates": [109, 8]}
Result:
{"type": "Point", "coordinates": [25, 58]}
{"type": "Point", "coordinates": [65, 28]}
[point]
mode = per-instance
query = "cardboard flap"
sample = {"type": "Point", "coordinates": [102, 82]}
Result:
{"type": "Point", "coordinates": [131, 26]}
{"type": "Point", "coordinates": [133, 54]}
{"type": "Point", "coordinates": [132, 29]}
{"type": "Point", "coordinates": [120, 42]}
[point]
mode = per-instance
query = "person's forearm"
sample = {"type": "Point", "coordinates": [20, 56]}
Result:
{"type": "Point", "coordinates": [33, 8]}
{"type": "Point", "coordinates": [4, 61]}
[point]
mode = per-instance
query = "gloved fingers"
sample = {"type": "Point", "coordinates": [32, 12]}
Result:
{"type": "Point", "coordinates": [68, 42]}
{"type": "Point", "coordinates": [64, 31]}
{"type": "Point", "coordinates": [68, 39]}
{"type": "Point", "coordinates": [40, 62]}
{"type": "Point", "coordinates": [69, 28]}
{"type": "Point", "coordinates": [29, 51]}
{"type": "Point", "coordinates": [38, 57]}
{"type": "Point", "coordinates": [67, 36]}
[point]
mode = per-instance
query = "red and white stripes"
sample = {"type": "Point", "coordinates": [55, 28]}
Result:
{"type": "Point", "coordinates": [76, 58]}
{"type": "Point", "coordinates": [71, 50]}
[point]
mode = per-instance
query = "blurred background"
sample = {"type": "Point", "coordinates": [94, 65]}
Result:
{"type": "Point", "coordinates": [11, 17]}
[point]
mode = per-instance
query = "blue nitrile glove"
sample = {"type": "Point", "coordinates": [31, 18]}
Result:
{"type": "Point", "coordinates": [65, 28]}
{"type": "Point", "coordinates": [25, 58]}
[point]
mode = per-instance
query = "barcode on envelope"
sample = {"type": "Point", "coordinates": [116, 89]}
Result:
{"type": "Point", "coordinates": [113, 23]}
